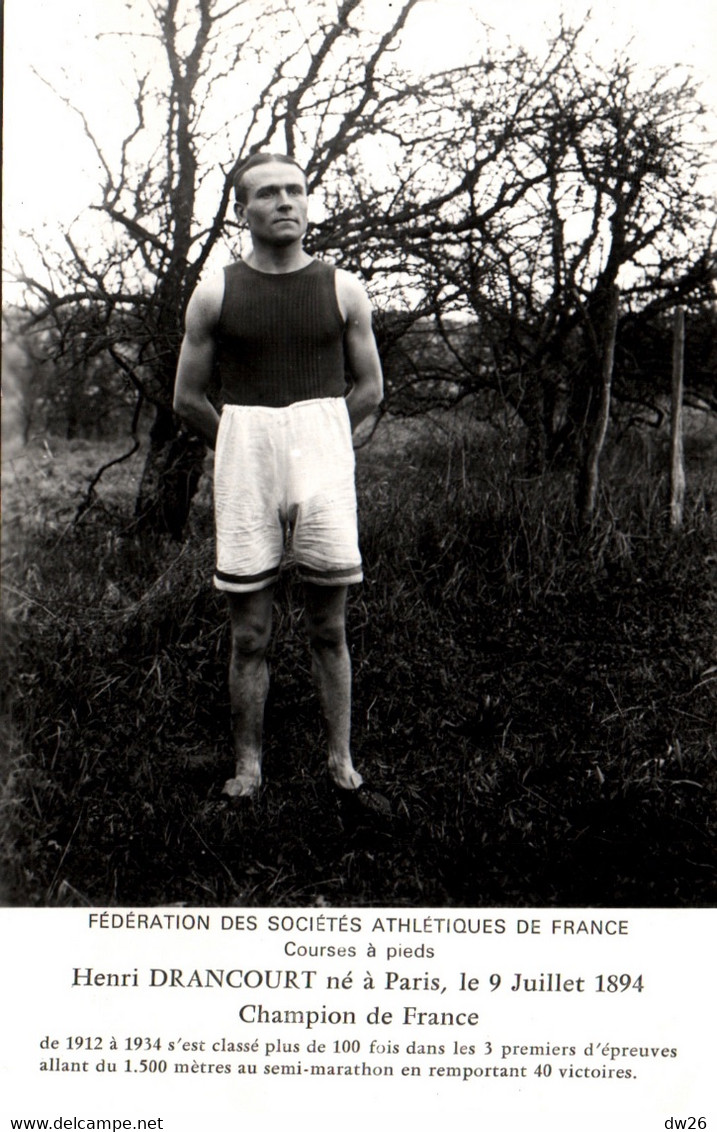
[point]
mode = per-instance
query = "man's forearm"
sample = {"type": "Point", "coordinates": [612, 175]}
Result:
{"type": "Point", "coordinates": [201, 416]}
{"type": "Point", "coordinates": [362, 402]}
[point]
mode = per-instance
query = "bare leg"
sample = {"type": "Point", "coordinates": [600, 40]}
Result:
{"type": "Point", "coordinates": [331, 669]}
{"type": "Point", "coordinates": [248, 685]}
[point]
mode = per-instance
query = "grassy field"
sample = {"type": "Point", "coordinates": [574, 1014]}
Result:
{"type": "Point", "coordinates": [539, 707]}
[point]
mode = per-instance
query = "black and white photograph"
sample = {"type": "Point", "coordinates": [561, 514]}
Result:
{"type": "Point", "coordinates": [411, 609]}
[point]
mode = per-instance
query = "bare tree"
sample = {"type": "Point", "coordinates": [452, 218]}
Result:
{"type": "Point", "coordinates": [596, 183]}
{"type": "Point", "coordinates": [166, 193]}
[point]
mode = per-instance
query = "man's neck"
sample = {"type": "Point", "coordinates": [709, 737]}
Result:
{"type": "Point", "coordinates": [277, 260]}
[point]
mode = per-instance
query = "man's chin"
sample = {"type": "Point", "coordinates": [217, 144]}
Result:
{"type": "Point", "coordinates": [287, 237]}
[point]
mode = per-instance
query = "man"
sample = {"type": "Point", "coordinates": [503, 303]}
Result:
{"type": "Point", "coordinates": [279, 326]}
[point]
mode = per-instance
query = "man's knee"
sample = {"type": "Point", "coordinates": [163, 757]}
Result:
{"type": "Point", "coordinates": [326, 617]}
{"type": "Point", "coordinates": [250, 616]}
{"type": "Point", "coordinates": [250, 639]}
{"type": "Point", "coordinates": [327, 631]}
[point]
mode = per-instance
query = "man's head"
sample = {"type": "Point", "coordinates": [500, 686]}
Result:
{"type": "Point", "coordinates": [255, 160]}
{"type": "Point", "coordinates": [271, 197]}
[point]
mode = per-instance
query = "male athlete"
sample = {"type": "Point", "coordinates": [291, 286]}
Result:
{"type": "Point", "coordinates": [279, 326]}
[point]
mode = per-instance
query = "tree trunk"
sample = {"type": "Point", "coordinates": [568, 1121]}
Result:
{"type": "Point", "coordinates": [170, 476]}
{"type": "Point", "coordinates": [535, 407]}
{"type": "Point", "coordinates": [567, 444]}
{"type": "Point", "coordinates": [677, 463]}
{"type": "Point", "coordinates": [588, 472]}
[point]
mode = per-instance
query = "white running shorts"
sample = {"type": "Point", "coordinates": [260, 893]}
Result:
{"type": "Point", "coordinates": [285, 474]}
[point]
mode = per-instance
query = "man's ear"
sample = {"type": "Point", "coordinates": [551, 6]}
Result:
{"type": "Point", "coordinates": [239, 210]}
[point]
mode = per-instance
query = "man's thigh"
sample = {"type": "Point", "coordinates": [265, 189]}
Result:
{"type": "Point", "coordinates": [248, 491]}
{"type": "Point", "coordinates": [323, 493]}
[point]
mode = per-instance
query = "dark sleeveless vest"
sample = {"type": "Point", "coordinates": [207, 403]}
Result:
{"type": "Point", "coordinates": [280, 337]}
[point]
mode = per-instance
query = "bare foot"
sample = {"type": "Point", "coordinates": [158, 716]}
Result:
{"type": "Point", "coordinates": [343, 773]}
{"type": "Point", "coordinates": [243, 786]}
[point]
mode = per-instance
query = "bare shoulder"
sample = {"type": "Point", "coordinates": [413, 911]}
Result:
{"type": "Point", "coordinates": [205, 306]}
{"type": "Point", "coordinates": [351, 295]}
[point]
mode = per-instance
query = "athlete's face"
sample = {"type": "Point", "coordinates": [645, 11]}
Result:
{"type": "Point", "coordinates": [275, 206]}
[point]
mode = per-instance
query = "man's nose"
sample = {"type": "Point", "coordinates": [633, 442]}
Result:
{"type": "Point", "coordinates": [284, 199]}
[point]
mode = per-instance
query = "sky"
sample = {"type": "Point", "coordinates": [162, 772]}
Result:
{"type": "Point", "coordinates": [51, 172]}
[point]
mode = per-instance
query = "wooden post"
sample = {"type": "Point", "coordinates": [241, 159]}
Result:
{"type": "Point", "coordinates": [677, 460]}
{"type": "Point", "coordinates": [598, 433]}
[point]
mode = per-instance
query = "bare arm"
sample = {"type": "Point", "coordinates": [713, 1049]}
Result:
{"type": "Point", "coordinates": [196, 360]}
{"type": "Point", "coordinates": [362, 353]}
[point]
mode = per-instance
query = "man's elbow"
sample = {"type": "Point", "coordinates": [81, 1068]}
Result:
{"type": "Point", "coordinates": [377, 393]}
{"type": "Point", "coordinates": [181, 404]}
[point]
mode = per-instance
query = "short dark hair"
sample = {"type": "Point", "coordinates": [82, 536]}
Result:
{"type": "Point", "coordinates": [260, 159]}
